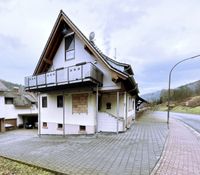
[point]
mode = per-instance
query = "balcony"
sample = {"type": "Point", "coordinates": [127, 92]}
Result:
{"type": "Point", "coordinates": [80, 73]}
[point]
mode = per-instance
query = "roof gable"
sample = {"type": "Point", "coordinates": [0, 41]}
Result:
{"type": "Point", "coordinates": [55, 39]}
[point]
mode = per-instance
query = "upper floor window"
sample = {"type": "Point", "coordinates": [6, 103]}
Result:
{"type": "Point", "coordinates": [44, 102]}
{"type": "Point", "coordinates": [8, 100]}
{"type": "Point", "coordinates": [69, 47]}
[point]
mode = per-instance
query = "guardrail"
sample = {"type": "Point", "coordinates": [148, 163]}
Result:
{"type": "Point", "coordinates": [78, 73]}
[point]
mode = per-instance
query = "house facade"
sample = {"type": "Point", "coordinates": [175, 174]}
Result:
{"type": "Point", "coordinates": [81, 90]}
{"type": "Point", "coordinates": [17, 107]}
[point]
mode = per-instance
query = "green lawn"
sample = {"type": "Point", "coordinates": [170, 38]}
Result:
{"type": "Point", "coordinates": [8, 167]}
{"type": "Point", "coordinates": [189, 110]}
{"type": "Point", "coordinates": [181, 109]}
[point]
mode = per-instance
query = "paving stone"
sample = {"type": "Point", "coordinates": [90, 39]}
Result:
{"type": "Point", "coordinates": [133, 152]}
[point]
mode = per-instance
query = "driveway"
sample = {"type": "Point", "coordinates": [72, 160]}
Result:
{"type": "Point", "coordinates": [133, 152]}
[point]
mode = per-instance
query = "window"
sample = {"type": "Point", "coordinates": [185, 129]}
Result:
{"type": "Point", "coordinates": [69, 47]}
{"type": "Point", "coordinates": [130, 105]}
{"type": "Point", "coordinates": [108, 105]}
{"type": "Point", "coordinates": [8, 100]}
{"type": "Point", "coordinates": [82, 128]}
{"type": "Point", "coordinates": [60, 126]}
{"type": "Point", "coordinates": [79, 103]}
{"type": "Point", "coordinates": [59, 101]}
{"type": "Point", "coordinates": [44, 102]}
{"type": "Point", "coordinates": [44, 124]}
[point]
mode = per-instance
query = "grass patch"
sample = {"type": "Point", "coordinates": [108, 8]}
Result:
{"type": "Point", "coordinates": [8, 167]}
{"type": "Point", "coordinates": [189, 110]}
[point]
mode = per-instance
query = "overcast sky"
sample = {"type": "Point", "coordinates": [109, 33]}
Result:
{"type": "Point", "coordinates": [151, 35]}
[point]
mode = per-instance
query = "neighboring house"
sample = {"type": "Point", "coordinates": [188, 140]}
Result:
{"type": "Point", "coordinates": [81, 90]}
{"type": "Point", "coordinates": [17, 107]}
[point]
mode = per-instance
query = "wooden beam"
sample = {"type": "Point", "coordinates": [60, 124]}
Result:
{"type": "Point", "coordinates": [50, 62]}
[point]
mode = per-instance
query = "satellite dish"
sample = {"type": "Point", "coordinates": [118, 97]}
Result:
{"type": "Point", "coordinates": [92, 35]}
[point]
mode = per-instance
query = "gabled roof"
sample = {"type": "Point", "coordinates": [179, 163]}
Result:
{"type": "Point", "coordinates": [123, 71]}
{"type": "Point", "coordinates": [55, 39]}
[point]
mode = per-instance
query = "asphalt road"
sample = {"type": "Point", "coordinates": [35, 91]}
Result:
{"type": "Point", "coordinates": [189, 119]}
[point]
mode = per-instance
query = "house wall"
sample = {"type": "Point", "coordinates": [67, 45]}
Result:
{"type": "Point", "coordinates": [9, 111]}
{"type": "Point", "coordinates": [1, 106]}
{"type": "Point", "coordinates": [112, 98]}
{"type": "Point", "coordinates": [54, 115]}
{"type": "Point", "coordinates": [107, 123]}
{"type": "Point", "coordinates": [81, 55]}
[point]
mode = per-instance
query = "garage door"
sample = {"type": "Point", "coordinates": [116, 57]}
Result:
{"type": "Point", "coordinates": [12, 122]}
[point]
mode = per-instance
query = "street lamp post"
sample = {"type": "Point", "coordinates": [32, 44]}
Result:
{"type": "Point", "coordinates": [170, 74]}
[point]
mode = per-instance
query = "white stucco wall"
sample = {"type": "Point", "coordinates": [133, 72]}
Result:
{"type": "Point", "coordinates": [81, 55]}
{"type": "Point", "coordinates": [112, 98]}
{"type": "Point", "coordinates": [9, 111]}
{"type": "Point", "coordinates": [54, 115]}
{"type": "Point", "coordinates": [107, 123]}
{"type": "Point", "coordinates": [131, 107]}
{"type": "Point", "coordinates": [1, 107]}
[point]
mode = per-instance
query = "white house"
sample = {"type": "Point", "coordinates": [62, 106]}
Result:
{"type": "Point", "coordinates": [81, 90]}
{"type": "Point", "coordinates": [17, 107]}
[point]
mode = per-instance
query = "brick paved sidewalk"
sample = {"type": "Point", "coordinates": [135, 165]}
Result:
{"type": "Point", "coordinates": [181, 155]}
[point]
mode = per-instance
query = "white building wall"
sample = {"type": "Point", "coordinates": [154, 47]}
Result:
{"type": "Point", "coordinates": [131, 107]}
{"type": "Point", "coordinates": [81, 55]}
{"type": "Point", "coordinates": [112, 98]}
{"type": "Point", "coordinates": [9, 111]}
{"type": "Point", "coordinates": [107, 123]}
{"type": "Point", "coordinates": [54, 115]}
{"type": "Point", "coordinates": [2, 113]}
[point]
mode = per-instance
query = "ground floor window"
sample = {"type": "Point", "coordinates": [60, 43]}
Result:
{"type": "Point", "coordinates": [82, 128]}
{"type": "Point", "coordinates": [44, 102]}
{"type": "Point", "coordinates": [59, 101]}
{"type": "Point", "coordinates": [108, 105]}
{"type": "Point", "coordinates": [44, 124]}
{"type": "Point", "coordinates": [60, 126]}
{"type": "Point", "coordinates": [8, 100]}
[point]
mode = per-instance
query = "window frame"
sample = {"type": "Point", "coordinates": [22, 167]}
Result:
{"type": "Point", "coordinates": [108, 105]}
{"type": "Point", "coordinates": [43, 102]}
{"type": "Point", "coordinates": [59, 101]}
{"type": "Point", "coordinates": [69, 50]}
{"type": "Point", "coordinates": [60, 126]}
{"type": "Point", "coordinates": [6, 99]}
{"type": "Point", "coordinates": [82, 128]}
{"type": "Point", "coordinates": [44, 125]}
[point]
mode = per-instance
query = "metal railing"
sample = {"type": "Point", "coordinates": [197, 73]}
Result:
{"type": "Point", "coordinates": [73, 74]}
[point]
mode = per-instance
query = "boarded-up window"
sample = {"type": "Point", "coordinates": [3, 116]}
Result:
{"type": "Point", "coordinates": [80, 103]}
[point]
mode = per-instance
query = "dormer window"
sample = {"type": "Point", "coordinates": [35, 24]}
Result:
{"type": "Point", "coordinates": [69, 47]}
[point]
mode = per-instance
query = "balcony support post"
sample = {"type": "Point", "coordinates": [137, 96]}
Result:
{"type": "Point", "coordinates": [39, 115]}
{"type": "Point", "coordinates": [97, 104]}
{"type": "Point", "coordinates": [63, 114]}
{"type": "Point", "coordinates": [117, 111]}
